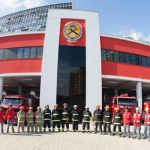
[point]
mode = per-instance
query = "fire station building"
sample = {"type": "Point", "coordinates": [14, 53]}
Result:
{"type": "Point", "coordinates": [65, 59]}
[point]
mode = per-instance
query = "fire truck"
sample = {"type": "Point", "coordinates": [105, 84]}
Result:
{"type": "Point", "coordinates": [123, 101]}
{"type": "Point", "coordinates": [17, 101]}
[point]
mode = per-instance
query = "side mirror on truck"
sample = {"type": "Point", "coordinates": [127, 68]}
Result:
{"type": "Point", "coordinates": [114, 101]}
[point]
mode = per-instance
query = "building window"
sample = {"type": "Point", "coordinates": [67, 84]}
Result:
{"type": "Point", "coordinates": [33, 52]}
{"type": "Point", "coordinates": [116, 56]}
{"type": "Point", "coordinates": [103, 54]}
{"type": "Point", "coordinates": [13, 53]}
{"type": "Point", "coordinates": [39, 52]}
{"type": "Point", "coordinates": [148, 61]}
{"type": "Point", "coordinates": [20, 53]}
{"type": "Point", "coordinates": [109, 55]}
{"type": "Point", "coordinates": [133, 59]}
{"type": "Point", "coordinates": [144, 62]}
{"type": "Point", "coordinates": [128, 58]}
{"type": "Point", "coordinates": [26, 52]}
{"type": "Point", "coordinates": [138, 60]}
{"type": "Point", "coordinates": [122, 57]}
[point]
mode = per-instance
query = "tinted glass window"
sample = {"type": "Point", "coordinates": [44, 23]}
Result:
{"type": "Point", "coordinates": [116, 56]}
{"type": "Point", "coordinates": [13, 53]}
{"type": "Point", "coordinates": [148, 61]}
{"type": "Point", "coordinates": [138, 60]}
{"type": "Point", "coordinates": [7, 53]}
{"type": "Point", "coordinates": [133, 58]}
{"type": "Point", "coordinates": [122, 57]}
{"type": "Point", "coordinates": [2, 53]}
{"type": "Point", "coordinates": [33, 52]}
{"type": "Point", "coordinates": [109, 55]}
{"type": "Point", "coordinates": [103, 54]}
{"type": "Point", "coordinates": [144, 62]}
{"type": "Point", "coordinates": [26, 52]}
{"type": "Point", "coordinates": [128, 58]}
{"type": "Point", "coordinates": [39, 52]}
{"type": "Point", "coordinates": [20, 53]}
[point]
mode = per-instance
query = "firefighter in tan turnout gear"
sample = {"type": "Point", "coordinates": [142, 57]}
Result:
{"type": "Point", "coordinates": [21, 119]}
{"type": "Point", "coordinates": [38, 119]}
{"type": "Point", "coordinates": [30, 119]}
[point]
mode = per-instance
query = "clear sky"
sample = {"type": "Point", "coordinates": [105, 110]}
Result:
{"type": "Point", "coordinates": [116, 17]}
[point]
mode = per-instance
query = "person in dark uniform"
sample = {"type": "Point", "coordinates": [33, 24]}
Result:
{"type": "Point", "coordinates": [65, 116]}
{"type": "Point", "coordinates": [75, 118]}
{"type": "Point", "coordinates": [98, 115]}
{"type": "Point", "coordinates": [86, 119]}
{"type": "Point", "coordinates": [47, 118]}
{"type": "Point", "coordinates": [107, 119]}
{"type": "Point", "coordinates": [56, 116]}
{"type": "Point", "coordinates": [117, 117]}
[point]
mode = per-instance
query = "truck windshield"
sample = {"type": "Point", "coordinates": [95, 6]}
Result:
{"type": "Point", "coordinates": [13, 101]}
{"type": "Point", "coordinates": [125, 101]}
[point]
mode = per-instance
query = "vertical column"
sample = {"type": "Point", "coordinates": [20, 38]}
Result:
{"type": "Point", "coordinates": [116, 92]}
{"type": "Point", "coordinates": [1, 88]}
{"type": "Point", "coordinates": [139, 94]}
{"type": "Point", "coordinates": [19, 90]}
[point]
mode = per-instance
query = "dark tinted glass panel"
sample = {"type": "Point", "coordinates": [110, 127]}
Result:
{"type": "Point", "coordinates": [13, 53]}
{"type": "Point", "coordinates": [7, 53]}
{"type": "Point", "coordinates": [138, 60]}
{"type": "Point", "coordinates": [71, 76]}
{"type": "Point", "coordinates": [144, 62]}
{"type": "Point", "coordinates": [122, 57]}
{"type": "Point", "coordinates": [103, 54]}
{"type": "Point", "coordinates": [109, 55]}
{"type": "Point", "coordinates": [148, 61]}
{"type": "Point", "coordinates": [39, 52]}
{"type": "Point", "coordinates": [33, 52]}
{"type": "Point", "coordinates": [20, 53]}
{"type": "Point", "coordinates": [128, 58]}
{"type": "Point", "coordinates": [116, 56]}
{"type": "Point", "coordinates": [133, 58]}
{"type": "Point", "coordinates": [26, 52]}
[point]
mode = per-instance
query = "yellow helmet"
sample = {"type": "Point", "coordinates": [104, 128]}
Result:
{"type": "Point", "coordinates": [21, 107]}
{"type": "Point", "coordinates": [97, 105]}
{"type": "Point", "coordinates": [117, 108]}
{"type": "Point", "coordinates": [56, 105]}
{"type": "Point", "coordinates": [38, 107]}
{"type": "Point", "coordinates": [107, 107]}
{"type": "Point", "coordinates": [137, 108]}
{"type": "Point", "coordinates": [146, 109]}
{"type": "Point", "coordinates": [30, 108]}
{"type": "Point", "coordinates": [46, 105]}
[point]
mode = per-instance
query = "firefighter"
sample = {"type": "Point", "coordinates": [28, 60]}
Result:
{"type": "Point", "coordinates": [98, 115]}
{"type": "Point", "coordinates": [75, 118]}
{"type": "Point", "coordinates": [86, 119]}
{"type": "Point", "coordinates": [21, 119]}
{"type": "Point", "coordinates": [1, 119]}
{"type": "Point", "coordinates": [47, 118]}
{"type": "Point", "coordinates": [137, 119]}
{"type": "Point", "coordinates": [30, 119]}
{"type": "Point", "coordinates": [65, 116]}
{"type": "Point", "coordinates": [117, 117]}
{"type": "Point", "coordinates": [147, 123]}
{"type": "Point", "coordinates": [107, 119]}
{"type": "Point", "coordinates": [10, 114]}
{"type": "Point", "coordinates": [126, 121]}
{"type": "Point", "coordinates": [56, 116]}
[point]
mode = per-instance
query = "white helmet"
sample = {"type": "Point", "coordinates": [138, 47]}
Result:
{"type": "Point", "coordinates": [75, 106]}
{"type": "Point", "coordinates": [86, 107]}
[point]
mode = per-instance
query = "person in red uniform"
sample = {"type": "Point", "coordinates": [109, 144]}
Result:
{"type": "Point", "coordinates": [10, 118]}
{"type": "Point", "coordinates": [1, 119]}
{"type": "Point", "coordinates": [137, 119]}
{"type": "Point", "coordinates": [147, 123]}
{"type": "Point", "coordinates": [126, 121]}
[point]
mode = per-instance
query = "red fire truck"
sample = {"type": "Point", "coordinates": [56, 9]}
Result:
{"type": "Point", "coordinates": [123, 101]}
{"type": "Point", "coordinates": [17, 101]}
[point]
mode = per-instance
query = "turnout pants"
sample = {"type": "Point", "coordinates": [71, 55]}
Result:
{"type": "Point", "coordinates": [56, 123]}
{"type": "Point", "coordinates": [126, 130]}
{"type": "Point", "coordinates": [75, 125]}
{"type": "Point", "coordinates": [108, 126]}
{"type": "Point", "coordinates": [119, 128]}
{"type": "Point", "coordinates": [29, 125]}
{"type": "Point", "coordinates": [10, 122]}
{"type": "Point", "coordinates": [98, 124]}
{"type": "Point", "coordinates": [137, 128]}
{"type": "Point", "coordinates": [87, 124]}
{"type": "Point", "coordinates": [2, 130]}
{"type": "Point", "coordinates": [145, 131]}
{"type": "Point", "coordinates": [20, 124]}
{"type": "Point", "coordinates": [47, 122]}
{"type": "Point", "coordinates": [64, 122]}
{"type": "Point", "coordinates": [38, 125]}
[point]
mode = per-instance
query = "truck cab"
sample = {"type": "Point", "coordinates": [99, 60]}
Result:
{"type": "Point", "coordinates": [17, 101]}
{"type": "Point", "coordinates": [123, 101]}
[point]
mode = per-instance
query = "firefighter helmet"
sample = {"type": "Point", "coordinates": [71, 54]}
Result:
{"type": "Point", "coordinates": [107, 107]}
{"type": "Point", "coordinates": [21, 107]}
{"type": "Point", "coordinates": [46, 105]}
{"type": "Point", "coordinates": [75, 106]}
{"type": "Point", "coordinates": [117, 108]}
{"type": "Point", "coordinates": [86, 107]}
{"type": "Point", "coordinates": [65, 104]}
{"type": "Point", "coordinates": [137, 108]}
{"type": "Point", "coordinates": [146, 109]}
{"type": "Point", "coordinates": [97, 105]}
{"type": "Point", "coordinates": [38, 107]}
{"type": "Point", "coordinates": [56, 105]}
{"type": "Point", "coordinates": [30, 108]}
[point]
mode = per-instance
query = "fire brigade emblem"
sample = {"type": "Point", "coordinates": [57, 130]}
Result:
{"type": "Point", "coordinates": [73, 31]}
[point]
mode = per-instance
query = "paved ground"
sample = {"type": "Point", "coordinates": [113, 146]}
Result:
{"type": "Point", "coordinates": [69, 141]}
